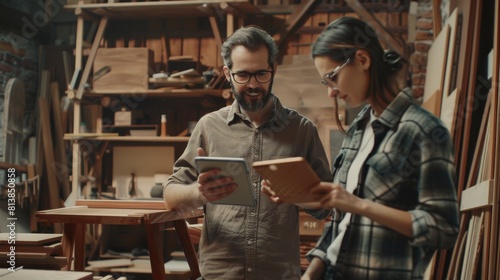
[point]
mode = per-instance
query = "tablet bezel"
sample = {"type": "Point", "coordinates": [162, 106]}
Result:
{"type": "Point", "coordinates": [238, 169]}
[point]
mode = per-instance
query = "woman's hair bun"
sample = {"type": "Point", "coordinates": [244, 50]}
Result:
{"type": "Point", "coordinates": [392, 59]}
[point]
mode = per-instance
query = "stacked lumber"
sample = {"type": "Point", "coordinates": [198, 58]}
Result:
{"type": "Point", "coordinates": [32, 250]}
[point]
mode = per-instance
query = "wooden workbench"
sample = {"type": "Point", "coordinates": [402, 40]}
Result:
{"type": "Point", "coordinates": [154, 220]}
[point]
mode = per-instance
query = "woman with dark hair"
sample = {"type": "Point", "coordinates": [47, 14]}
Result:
{"type": "Point", "coordinates": [394, 193]}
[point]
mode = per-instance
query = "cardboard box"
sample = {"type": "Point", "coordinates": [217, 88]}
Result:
{"type": "Point", "coordinates": [128, 70]}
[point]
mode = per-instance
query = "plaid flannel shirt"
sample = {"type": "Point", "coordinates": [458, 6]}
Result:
{"type": "Point", "coordinates": [410, 168]}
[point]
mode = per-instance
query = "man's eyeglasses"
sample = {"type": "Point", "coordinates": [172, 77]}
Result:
{"type": "Point", "coordinates": [244, 77]}
{"type": "Point", "coordinates": [330, 78]}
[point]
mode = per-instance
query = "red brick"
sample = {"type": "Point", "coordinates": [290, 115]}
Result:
{"type": "Point", "coordinates": [4, 67]}
{"type": "Point", "coordinates": [28, 64]}
{"type": "Point", "coordinates": [427, 13]}
{"type": "Point", "coordinates": [418, 79]}
{"type": "Point", "coordinates": [425, 23]}
{"type": "Point", "coordinates": [418, 68]}
{"type": "Point", "coordinates": [418, 91]}
{"type": "Point", "coordinates": [423, 35]}
{"type": "Point", "coordinates": [11, 59]}
{"type": "Point", "coordinates": [419, 58]}
{"type": "Point", "coordinates": [422, 46]}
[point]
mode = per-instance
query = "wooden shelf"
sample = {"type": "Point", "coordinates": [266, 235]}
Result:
{"type": "Point", "coordinates": [163, 9]}
{"type": "Point", "coordinates": [162, 92]}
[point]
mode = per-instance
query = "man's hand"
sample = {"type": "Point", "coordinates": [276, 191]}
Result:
{"type": "Point", "coordinates": [212, 185]}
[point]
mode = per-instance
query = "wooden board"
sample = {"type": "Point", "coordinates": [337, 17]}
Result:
{"type": "Point", "coordinates": [31, 238]}
{"type": "Point", "coordinates": [46, 130]}
{"type": "Point", "coordinates": [122, 204]}
{"type": "Point", "coordinates": [436, 69]}
{"type": "Point", "coordinates": [23, 274]}
{"type": "Point", "coordinates": [47, 250]}
{"type": "Point", "coordinates": [478, 196]}
{"type": "Point", "coordinates": [108, 263]}
{"type": "Point", "coordinates": [129, 71]}
{"type": "Point", "coordinates": [448, 105]}
{"type": "Point", "coordinates": [138, 266]}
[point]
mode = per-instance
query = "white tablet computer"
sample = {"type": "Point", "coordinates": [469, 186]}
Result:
{"type": "Point", "coordinates": [237, 168]}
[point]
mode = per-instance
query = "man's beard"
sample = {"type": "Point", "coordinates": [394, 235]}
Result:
{"type": "Point", "coordinates": [254, 105]}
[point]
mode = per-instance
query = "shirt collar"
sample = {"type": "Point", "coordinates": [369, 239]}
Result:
{"type": "Point", "coordinates": [279, 110]}
{"type": "Point", "coordinates": [392, 114]}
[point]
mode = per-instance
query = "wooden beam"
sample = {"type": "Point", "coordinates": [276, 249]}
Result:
{"type": "Point", "coordinates": [19, 168]}
{"type": "Point", "coordinates": [216, 31]}
{"type": "Point", "coordinates": [90, 60]}
{"type": "Point", "coordinates": [287, 9]}
{"type": "Point", "coordinates": [294, 22]}
{"type": "Point", "coordinates": [384, 36]}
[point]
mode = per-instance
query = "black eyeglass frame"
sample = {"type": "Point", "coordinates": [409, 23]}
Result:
{"type": "Point", "coordinates": [328, 77]}
{"type": "Point", "coordinates": [254, 74]}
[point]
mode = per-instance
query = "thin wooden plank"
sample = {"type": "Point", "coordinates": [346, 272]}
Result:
{"type": "Point", "coordinates": [432, 103]}
{"type": "Point", "coordinates": [470, 13]}
{"type": "Point", "coordinates": [93, 265]}
{"type": "Point", "coordinates": [43, 92]}
{"type": "Point", "coordinates": [52, 249]}
{"type": "Point", "coordinates": [122, 204]}
{"type": "Point", "coordinates": [53, 191]}
{"type": "Point", "coordinates": [478, 196]}
{"type": "Point", "coordinates": [494, 259]}
{"type": "Point", "coordinates": [449, 104]}
{"type": "Point", "coordinates": [61, 165]}
{"type": "Point", "coordinates": [140, 266]}
{"type": "Point", "coordinates": [90, 60]}
{"type": "Point", "coordinates": [32, 239]}
{"type": "Point", "coordinates": [436, 17]}
{"type": "Point", "coordinates": [44, 275]}
{"type": "Point", "coordinates": [436, 68]}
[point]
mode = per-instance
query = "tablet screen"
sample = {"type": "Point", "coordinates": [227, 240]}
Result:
{"type": "Point", "coordinates": [237, 169]}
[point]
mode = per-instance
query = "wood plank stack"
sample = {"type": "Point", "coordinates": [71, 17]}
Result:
{"type": "Point", "coordinates": [32, 250]}
{"type": "Point", "coordinates": [470, 96]}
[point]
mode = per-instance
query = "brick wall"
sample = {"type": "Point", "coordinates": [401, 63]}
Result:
{"type": "Point", "coordinates": [423, 40]}
{"type": "Point", "coordinates": [19, 59]}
